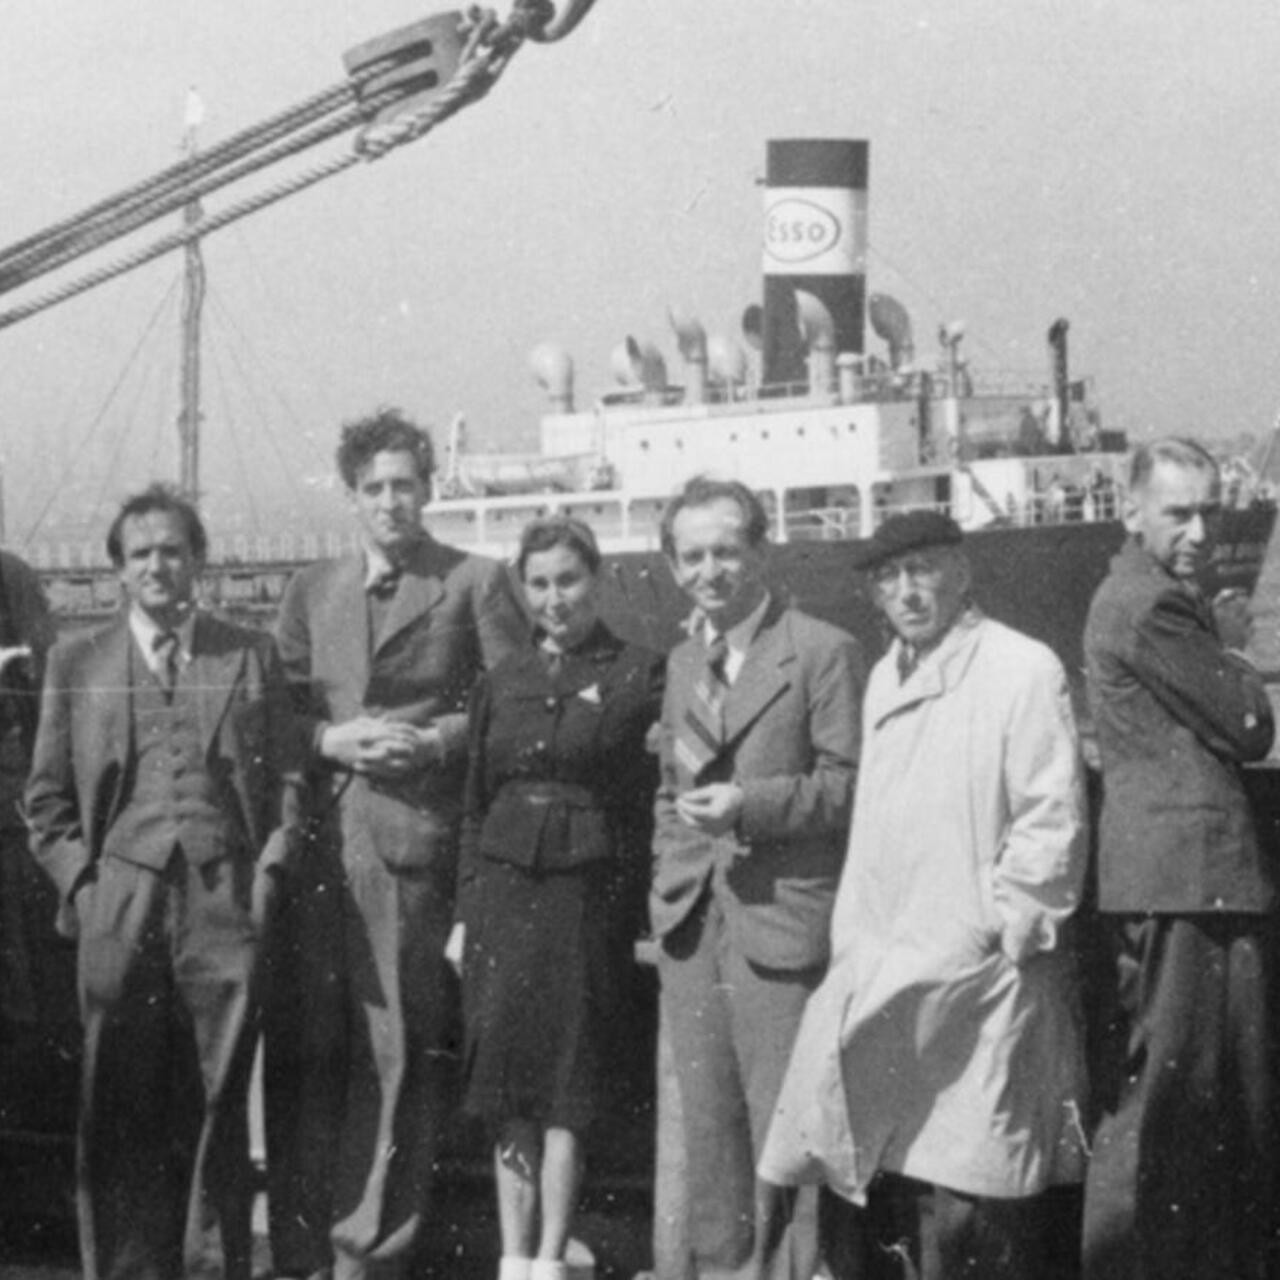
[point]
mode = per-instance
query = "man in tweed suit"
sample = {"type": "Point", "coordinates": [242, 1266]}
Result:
{"type": "Point", "coordinates": [381, 649]}
{"type": "Point", "coordinates": [759, 746]}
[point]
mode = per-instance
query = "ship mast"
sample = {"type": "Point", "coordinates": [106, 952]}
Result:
{"type": "Point", "coordinates": [192, 307]}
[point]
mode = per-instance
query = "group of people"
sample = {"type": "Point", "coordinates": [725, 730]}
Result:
{"type": "Point", "coordinates": [860, 884]}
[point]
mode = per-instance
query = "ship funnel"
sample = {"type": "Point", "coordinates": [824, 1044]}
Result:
{"type": "Point", "coordinates": [638, 365]}
{"type": "Point", "coordinates": [691, 338]}
{"type": "Point", "coordinates": [892, 324]}
{"type": "Point", "coordinates": [726, 360]}
{"type": "Point", "coordinates": [815, 232]}
{"type": "Point", "coordinates": [1058, 371]}
{"type": "Point", "coordinates": [552, 365]}
{"type": "Point", "coordinates": [818, 329]}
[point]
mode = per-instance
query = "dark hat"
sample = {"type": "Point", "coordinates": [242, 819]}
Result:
{"type": "Point", "coordinates": [907, 532]}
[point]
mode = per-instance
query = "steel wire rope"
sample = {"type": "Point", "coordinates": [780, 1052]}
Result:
{"type": "Point", "coordinates": [110, 398]}
{"type": "Point", "coordinates": [287, 467]}
{"type": "Point", "coordinates": [487, 54]}
{"type": "Point", "coordinates": [238, 454]}
{"type": "Point", "coordinates": [184, 171]}
{"type": "Point", "coordinates": [156, 377]}
{"type": "Point", "coordinates": [473, 79]}
{"type": "Point", "coordinates": [139, 216]}
{"type": "Point", "coordinates": [260, 278]}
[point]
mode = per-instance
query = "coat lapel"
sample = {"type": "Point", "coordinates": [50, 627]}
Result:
{"type": "Point", "coordinates": [104, 742]}
{"type": "Point", "coordinates": [345, 626]}
{"type": "Point", "coordinates": [765, 674]}
{"type": "Point", "coordinates": [215, 668]}
{"type": "Point", "coordinates": [419, 590]}
{"type": "Point", "coordinates": [935, 674]}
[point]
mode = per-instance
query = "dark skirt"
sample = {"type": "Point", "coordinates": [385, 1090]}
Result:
{"type": "Point", "coordinates": [539, 991]}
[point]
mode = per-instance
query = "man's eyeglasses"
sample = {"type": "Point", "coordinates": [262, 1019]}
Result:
{"type": "Point", "coordinates": [919, 570]}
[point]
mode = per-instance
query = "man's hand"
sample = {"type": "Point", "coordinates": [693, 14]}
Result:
{"type": "Point", "coordinates": [1235, 622]}
{"type": "Point", "coordinates": [382, 748]}
{"type": "Point", "coordinates": [713, 808]}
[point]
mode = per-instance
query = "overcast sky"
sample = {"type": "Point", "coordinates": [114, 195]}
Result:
{"type": "Point", "coordinates": [1115, 162]}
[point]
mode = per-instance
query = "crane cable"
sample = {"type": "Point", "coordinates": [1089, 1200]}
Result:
{"type": "Point", "coordinates": [489, 49]}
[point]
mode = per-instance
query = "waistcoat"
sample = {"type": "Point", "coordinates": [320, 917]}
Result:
{"type": "Point", "coordinates": [175, 801]}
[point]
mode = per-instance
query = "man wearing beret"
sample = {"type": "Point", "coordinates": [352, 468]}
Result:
{"type": "Point", "coordinates": [1182, 1181]}
{"type": "Point", "coordinates": [937, 1074]}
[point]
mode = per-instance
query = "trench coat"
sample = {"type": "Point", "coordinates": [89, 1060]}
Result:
{"type": "Point", "coordinates": [945, 1042]}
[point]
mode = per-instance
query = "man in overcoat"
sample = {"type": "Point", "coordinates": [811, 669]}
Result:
{"type": "Point", "coordinates": [1182, 1182]}
{"type": "Point", "coordinates": [759, 747]}
{"type": "Point", "coordinates": [938, 1076]}
{"type": "Point", "coordinates": [163, 803]}
{"type": "Point", "coordinates": [381, 648]}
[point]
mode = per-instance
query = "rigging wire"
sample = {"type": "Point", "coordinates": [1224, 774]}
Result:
{"type": "Point", "coordinates": [289, 322]}
{"type": "Point", "coordinates": [288, 466]}
{"type": "Point", "coordinates": [237, 452]}
{"type": "Point", "coordinates": [486, 55]}
{"type": "Point", "coordinates": [113, 391]}
{"type": "Point", "coordinates": [102, 231]}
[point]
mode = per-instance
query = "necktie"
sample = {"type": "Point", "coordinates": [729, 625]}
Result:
{"type": "Point", "coordinates": [384, 584]}
{"type": "Point", "coordinates": [701, 735]}
{"type": "Point", "coordinates": [908, 661]}
{"type": "Point", "coordinates": [165, 646]}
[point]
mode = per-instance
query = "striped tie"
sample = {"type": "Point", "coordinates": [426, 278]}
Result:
{"type": "Point", "coordinates": [701, 736]}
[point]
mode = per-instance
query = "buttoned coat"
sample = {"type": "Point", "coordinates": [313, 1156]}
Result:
{"type": "Point", "coordinates": [944, 1043]}
{"type": "Point", "coordinates": [1176, 716]}
{"type": "Point", "coordinates": [452, 616]}
{"type": "Point", "coordinates": [85, 755]}
{"type": "Point", "coordinates": [791, 743]}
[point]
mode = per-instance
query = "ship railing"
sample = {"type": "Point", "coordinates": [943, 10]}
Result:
{"type": "Point", "coordinates": [70, 556]}
{"type": "Point", "coordinates": [822, 524]}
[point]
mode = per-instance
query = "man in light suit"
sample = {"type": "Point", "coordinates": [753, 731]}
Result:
{"type": "Point", "coordinates": [759, 747]}
{"type": "Point", "coordinates": [162, 806]}
{"type": "Point", "coordinates": [381, 649]}
{"type": "Point", "coordinates": [1182, 1181]}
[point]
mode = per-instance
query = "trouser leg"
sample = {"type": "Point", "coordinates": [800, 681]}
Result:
{"type": "Point", "coordinates": [166, 963]}
{"type": "Point", "coordinates": [214, 963]}
{"type": "Point", "coordinates": [732, 1025]}
{"type": "Point", "coordinates": [1183, 1160]}
{"type": "Point", "coordinates": [719, 1168]}
{"type": "Point", "coordinates": [915, 1229]}
{"type": "Point", "coordinates": [136, 1145]}
{"type": "Point", "coordinates": [401, 1006]}
{"type": "Point", "coordinates": [766, 1006]}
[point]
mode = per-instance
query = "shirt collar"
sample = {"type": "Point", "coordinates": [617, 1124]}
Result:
{"type": "Point", "coordinates": [145, 631]}
{"type": "Point", "coordinates": [742, 633]}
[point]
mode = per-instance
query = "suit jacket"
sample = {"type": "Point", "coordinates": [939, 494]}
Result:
{"type": "Point", "coordinates": [85, 758]}
{"type": "Point", "coordinates": [792, 720]}
{"type": "Point", "coordinates": [1176, 716]}
{"type": "Point", "coordinates": [452, 616]}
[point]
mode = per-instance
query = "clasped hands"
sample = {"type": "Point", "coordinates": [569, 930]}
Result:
{"type": "Point", "coordinates": [381, 748]}
{"type": "Point", "coordinates": [713, 808]}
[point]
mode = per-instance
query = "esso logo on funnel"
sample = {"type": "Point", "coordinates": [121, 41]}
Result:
{"type": "Point", "coordinates": [796, 230]}
{"type": "Point", "coordinates": [811, 233]}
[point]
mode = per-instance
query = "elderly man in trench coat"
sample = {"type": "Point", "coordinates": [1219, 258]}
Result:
{"type": "Point", "coordinates": [936, 1076]}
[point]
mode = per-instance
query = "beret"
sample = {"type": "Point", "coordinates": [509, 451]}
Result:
{"type": "Point", "coordinates": [909, 531]}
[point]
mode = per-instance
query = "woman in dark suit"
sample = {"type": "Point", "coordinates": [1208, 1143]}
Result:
{"type": "Point", "coordinates": [558, 799]}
